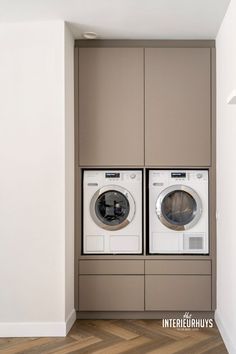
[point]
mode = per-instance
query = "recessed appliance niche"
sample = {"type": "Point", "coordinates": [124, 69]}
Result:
{"type": "Point", "coordinates": [178, 212]}
{"type": "Point", "coordinates": [112, 212]}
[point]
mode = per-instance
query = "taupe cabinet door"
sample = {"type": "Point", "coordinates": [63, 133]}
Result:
{"type": "Point", "coordinates": [111, 107]}
{"type": "Point", "coordinates": [111, 293]}
{"type": "Point", "coordinates": [177, 107]}
{"type": "Point", "coordinates": [178, 293]}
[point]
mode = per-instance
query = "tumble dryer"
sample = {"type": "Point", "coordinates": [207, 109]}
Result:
{"type": "Point", "coordinates": [178, 212]}
{"type": "Point", "coordinates": [112, 211]}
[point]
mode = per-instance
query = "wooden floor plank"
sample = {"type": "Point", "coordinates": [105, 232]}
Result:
{"type": "Point", "coordinates": [120, 336]}
{"type": "Point", "coordinates": [123, 346]}
{"type": "Point", "coordinates": [176, 346]}
{"type": "Point", "coordinates": [115, 329]}
{"type": "Point", "coordinates": [202, 346]}
{"type": "Point", "coordinates": [156, 327]}
{"type": "Point", "coordinates": [55, 344]}
{"type": "Point", "coordinates": [141, 330]}
{"type": "Point", "coordinates": [8, 342]}
{"type": "Point", "coordinates": [150, 346]}
{"type": "Point", "coordinates": [21, 347]}
{"type": "Point", "coordinates": [220, 349]}
{"type": "Point", "coordinates": [84, 343]}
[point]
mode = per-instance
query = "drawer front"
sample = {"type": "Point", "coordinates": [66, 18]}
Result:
{"type": "Point", "coordinates": [178, 293]}
{"type": "Point", "coordinates": [111, 267]}
{"type": "Point", "coordinates": [177, 267]}
{"type": "Point", "coordinates": [111, 293]}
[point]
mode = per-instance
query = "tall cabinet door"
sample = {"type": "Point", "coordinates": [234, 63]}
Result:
{"type": "Point", "coordinates": [111, 107]}
{"type": "Point", "coordinates": [177, 107]}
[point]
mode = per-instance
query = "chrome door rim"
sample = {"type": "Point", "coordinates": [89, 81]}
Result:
{"type": "Point", "coordinates": [130, 216]}
{"type": "Point", "coordinates": [197, 213]}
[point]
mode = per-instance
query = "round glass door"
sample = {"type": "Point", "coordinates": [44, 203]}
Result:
{"type": "Point", "coordinates": [112, 208]}
{"type": "Point", "coordinates": [179, 207]}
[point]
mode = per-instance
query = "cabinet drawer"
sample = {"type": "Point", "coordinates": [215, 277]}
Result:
{"type": "Point", "coordinates": [111, 267]}
{"type": "Point", "coordinates": [178, 293]}
{"type": "Point", "coordinates": [177, 267]}
{"type": "Point", "coordinates": [111, 293]}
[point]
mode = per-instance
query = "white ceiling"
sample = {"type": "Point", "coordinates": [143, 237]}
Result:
{"type": "Point", "coordinates": [125, 19]}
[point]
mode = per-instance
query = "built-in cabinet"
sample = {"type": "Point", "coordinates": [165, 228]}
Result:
{"type": "Point", "coordinates": [177, 285]}
{"type": "Point", "coordinates": [178, 106]}
{"type": "Point", "coordinates": [178, 293]}
{"type": "Point", "coordinates": [154, 107]}
{"type": "Point", "coordinates": [111, 285]}
{"type": "Point", "coordinates": [111, 107]}
{"type": "Point", "coordinates": [144, 106]}
{"type": "Point", "coordinates": [150, 285]}
{"type": "Point", "coordinates": [111, 293]}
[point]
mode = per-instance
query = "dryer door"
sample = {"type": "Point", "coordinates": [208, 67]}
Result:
{"type": "Point", "coordinates": [179, 207]}
{"type": "Point", "coordinates": [112, 208]}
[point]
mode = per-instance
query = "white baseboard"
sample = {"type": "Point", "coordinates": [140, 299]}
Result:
{"type": "Point", "coordinates": [70, 320]}
{"type": "Point", "coordinates": [37, 329]}
{"type": "Point", "coordinates": [226, 338]}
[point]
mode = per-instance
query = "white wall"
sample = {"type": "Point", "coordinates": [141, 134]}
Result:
{"type": "Point", "coordinates": [35, 231]}
{"type": "Point", "coordinates": [69, 173]}
{"type": "Point", "coordinates": [226, 179]}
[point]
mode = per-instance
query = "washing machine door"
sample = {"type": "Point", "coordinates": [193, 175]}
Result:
{"type": "Point", "coordinates": [112, 208]}
{"type": "Point", "coordinates": [179, 207]}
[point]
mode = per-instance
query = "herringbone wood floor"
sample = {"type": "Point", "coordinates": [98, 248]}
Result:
{"type": "Point", "coordinates": [120, 336]}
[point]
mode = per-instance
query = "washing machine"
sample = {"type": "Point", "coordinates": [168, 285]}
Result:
{"type": "Point", "coordinates": [112, 211]}
{"type": "Point", "coordinates": [178, 212]}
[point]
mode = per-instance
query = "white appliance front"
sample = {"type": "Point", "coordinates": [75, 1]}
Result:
{"type": "Point", "coordinates": [178, 212]}
{"type": "Point", "coordinates": [112, 211]}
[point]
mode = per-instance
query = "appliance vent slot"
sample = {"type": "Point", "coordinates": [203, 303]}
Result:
{"type": "Point", "coordinates": [195, 243]}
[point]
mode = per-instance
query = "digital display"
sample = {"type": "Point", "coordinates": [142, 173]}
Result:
{"type": "Point", "coordinates": [112, 175]}
{"type": "Point", "coordinates": [178, 175]}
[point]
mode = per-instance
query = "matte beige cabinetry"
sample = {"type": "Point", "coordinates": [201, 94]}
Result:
{"type": "Point", "coordinates": [111, 106]}
{"type": "Point", "coordinates": [177, 267]}
{"type": "Point", "coordinates": [111, 267]}
{"type": "Point", "coordinates": [178, 106]}
{"type": "Point", "coordinates": [111, 285]}
{"type": "Point", "coordinates": [170, 285]}
{"type": "Point", "coordinates": [177, 285]}
{"type": "Point", "coordinates": [178, 292]}
{"type": "Point", "coordinates": [111, 293]}
{"type": "Point", "coordinates": [145, 104]}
